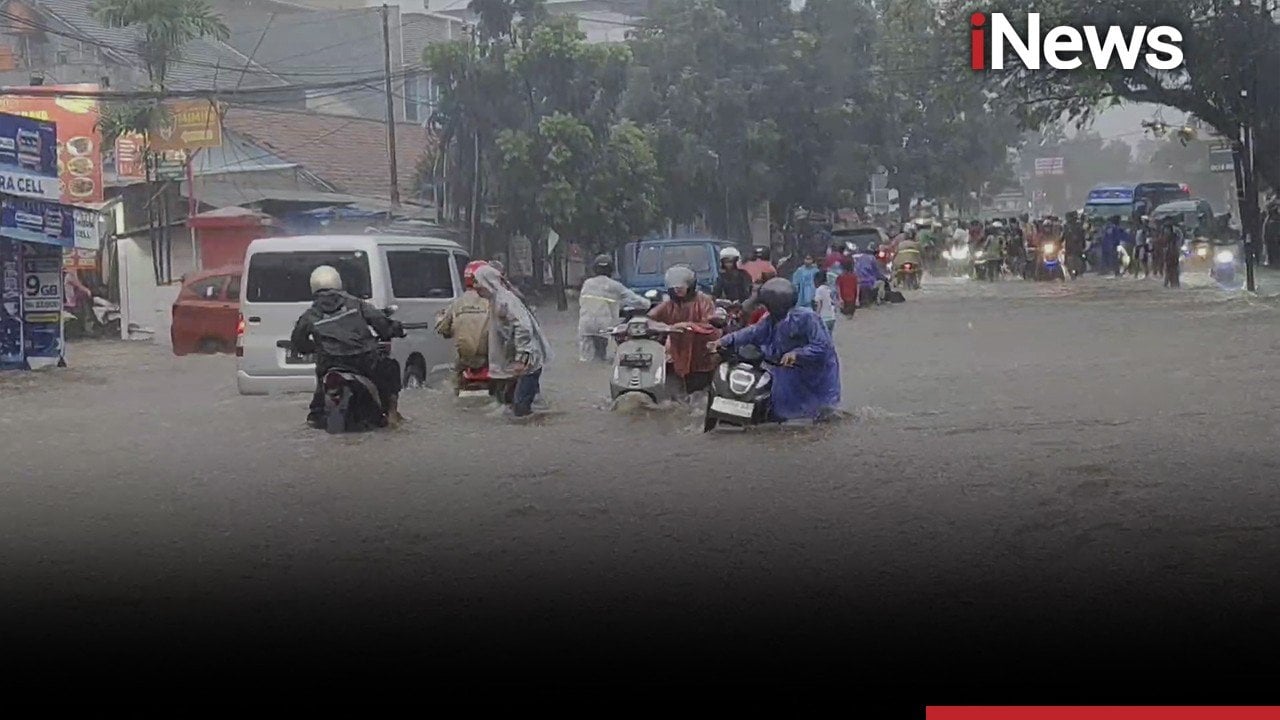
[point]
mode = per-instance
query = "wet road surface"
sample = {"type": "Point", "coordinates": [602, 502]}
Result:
{"type": "Point", "coordinates": [1019, 455]}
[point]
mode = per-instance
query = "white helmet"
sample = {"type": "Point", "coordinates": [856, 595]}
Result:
{"type": "Point", "coordinates": [730, 253]}
{"type": "Point", "coordinates": [325, 277]}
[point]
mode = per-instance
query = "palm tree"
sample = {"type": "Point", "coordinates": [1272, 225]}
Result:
{"type": "Point", "coordinates": [167, 25]}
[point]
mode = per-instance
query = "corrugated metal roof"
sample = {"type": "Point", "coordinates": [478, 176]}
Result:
{"type": "Point", "coordinates": [205, 64]}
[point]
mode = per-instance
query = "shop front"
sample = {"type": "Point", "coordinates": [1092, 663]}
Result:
{"type": "Point", "coordinates": [35, 231]}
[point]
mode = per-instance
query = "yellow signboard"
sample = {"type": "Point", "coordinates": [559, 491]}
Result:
{"type": "Point", "coordinates": [192, 124]}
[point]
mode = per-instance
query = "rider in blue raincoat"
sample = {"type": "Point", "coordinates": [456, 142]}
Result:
{"type": "Point", "coordinates": [806, 381]}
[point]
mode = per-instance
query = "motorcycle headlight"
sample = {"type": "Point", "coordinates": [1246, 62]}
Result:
{"type": "Point", "coordinates": [1202, 252]}
{"type": "Point", "coordinates": [1050, 249]}
{"type": "Point", "coordinates": [961, 253]}
{"type": "Point", "coordinates": [1225, 256]}
{"type": "Point", "coordinates": [978, 255]}
{"type": "Point", "coordinates": [946, 254]}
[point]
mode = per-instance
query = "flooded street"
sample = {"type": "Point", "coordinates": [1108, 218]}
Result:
{"type": "Point", "coordinates": [1009, 446]}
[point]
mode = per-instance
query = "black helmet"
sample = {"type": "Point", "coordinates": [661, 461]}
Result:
{"type": "Point", "coordinates": [603, 265]}
{"type": "Point", "coordinates": [778, 296]}
{"type": "Point", "coordinates": [760, 252]}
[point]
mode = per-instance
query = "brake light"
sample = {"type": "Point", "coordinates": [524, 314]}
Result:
{"type": "Point", "coordinates": [240, 335]}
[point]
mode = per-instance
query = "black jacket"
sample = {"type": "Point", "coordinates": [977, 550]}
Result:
{"type": "Point", "coordinates": [337, 324]}
{"type": "Point", "coordinates": [734, 285]}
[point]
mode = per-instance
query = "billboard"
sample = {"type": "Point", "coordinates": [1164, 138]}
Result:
{"type": "Point", "coordinates": [1049, 166]}
{"type": "Point", "coordinates": [28, 158]}
{"type": "Point", "coordinates": [192, 124]}
{"type": "Point", "coordinates": [79, 142]}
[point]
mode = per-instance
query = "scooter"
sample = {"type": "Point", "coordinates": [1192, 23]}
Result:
{"type": "Point", "coordinates": [351, 400]}
{"type": "Point", "coordinates": [103, 320]}
{"type": "Point", "coordinates": [1223, 269]}
{"type": "Point", "coordinates": [640, 362]}
{"type": "Point", "coordinates": [734, 318]}
{"type": "Point", "coordinates": [986, 265]}
{"type": "Point", "coordinates": [908, 275]}
{"type": "Point", "coordinates": [741, 390]}
{"type": "Point", "coordinates": [476, 383]}
{"type": "Point", "coordinates": [1049, 265]}
{"type": "Point", "coordinates": [958, 262]}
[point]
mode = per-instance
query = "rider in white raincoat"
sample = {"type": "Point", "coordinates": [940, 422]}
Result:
{"type": "Point", "coordinates": [601, 299]}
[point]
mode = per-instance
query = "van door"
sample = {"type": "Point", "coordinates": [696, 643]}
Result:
{"type": "Point", "coordinates": [277, 290]}
{"type": "Point", "coordinates": [422, 281]}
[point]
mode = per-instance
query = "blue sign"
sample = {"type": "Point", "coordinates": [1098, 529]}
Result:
{"type": "Point", "coordinates": [42, 301]}
{"type": "Point", "coordinates": [29, 158]}
{"type": "Point", "coordinates": [12, 355]}
{"type": "Point", "coordinates": [36, 221]}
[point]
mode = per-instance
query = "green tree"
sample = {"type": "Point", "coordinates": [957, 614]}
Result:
{"type": "Point", "coordinates": [167, 26]}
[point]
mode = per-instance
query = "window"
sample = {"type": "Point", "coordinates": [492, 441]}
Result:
{"type": "Point", "coordinates": [461, 261]}
{"type": "Point", "coordinates": [233, 287]}
{"type": "Point", "coordinates": [207, 289]}
{"type": "Point", "coordinates": [285, 277]}
{"type": "Point", "coordinates": [697, 257]}
{"type": "Point", "coordinates": [420, 96]}
{"type": "Point", "coordinates": [420, 274]}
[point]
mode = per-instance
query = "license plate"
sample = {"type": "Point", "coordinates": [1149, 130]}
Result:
{"type": "Point", "coordinates": [473, 393]}
{"type": "Point", "coordinates": [636, 360]}
{"type": "Point", "coordinates": [733, 407]}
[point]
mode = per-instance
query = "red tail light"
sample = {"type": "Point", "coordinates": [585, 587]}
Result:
{"type": "Point", "coordinates": [907, 266]}
{"type": "Point", "coordinates": [240, 335]}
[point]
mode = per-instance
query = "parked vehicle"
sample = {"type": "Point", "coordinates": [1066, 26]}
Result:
{"type": "Point", "coordinates": [420, 275]}
{"type": "Point", "coordinates": [206, 313]}
{"type": "Point", "coordinates": [102, 321]}
{"type": "Point", "coordinates": [642, 265]}
{"type": "Point", "coordinates": [741, 390]}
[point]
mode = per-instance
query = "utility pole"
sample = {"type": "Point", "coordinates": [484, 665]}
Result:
{"type": "Point", "coordinates": [391, 109]}
{"type": "Point", "coordinates": [1242, 155]}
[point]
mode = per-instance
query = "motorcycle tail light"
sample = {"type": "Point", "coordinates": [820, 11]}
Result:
{"type": "Point", "coordinates": [240, 335]}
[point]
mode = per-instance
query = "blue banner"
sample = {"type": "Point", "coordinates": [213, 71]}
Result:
{"type": "Point", "coordinates": [36, 221]}
{"type": "Point", "coordinates": [29, 158]}
{"type": "Point", "coordinates": [11, 354]}
{"type": "Point", "coordinates": [42, 300]}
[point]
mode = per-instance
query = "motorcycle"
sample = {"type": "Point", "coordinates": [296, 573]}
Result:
{"type": "Point", "coordinates": [351, 400]}
{"type": "Point", "coordinates": [476, 383]}
{"type": "Point", "coordinates": [103, 320]}
{"type": "Point", "coordinates": [1049, 262]}
{"type": "Point", "coordinates": [908, 274]}
{"type": "Point", "coordinates": [1223, 269]}
{"type": "Point", "coordinates": [958, 262]}
{"type": "Point", "coordinates": [987, 265]}
{"type": "Point", "coordinates": [734, 317]}
{"type": "Point", "coordinates": [741, 390]}
{"type": "Point", "coordinates": [640, 362]}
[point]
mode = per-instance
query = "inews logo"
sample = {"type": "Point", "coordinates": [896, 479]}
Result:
{"type": "Point", "coordinates": [1061, 47]}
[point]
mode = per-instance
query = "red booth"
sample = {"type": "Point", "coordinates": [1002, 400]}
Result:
{"type": "Point", "coordinates": [224, 234]}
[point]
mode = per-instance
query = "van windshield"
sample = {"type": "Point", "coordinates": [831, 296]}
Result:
{"type": "Point", "coordinates": [285, 277]}
{"type": "Point", "coordinates": [656, 259]}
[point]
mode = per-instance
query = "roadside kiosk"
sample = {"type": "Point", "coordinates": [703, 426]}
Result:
{"type": "Point", "coordinates": [35, 228]}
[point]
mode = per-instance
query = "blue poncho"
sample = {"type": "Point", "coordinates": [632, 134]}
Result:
{"type": "Point", "coordinates": [813, 384]}
{"type": "Point", "coordinates": [802, 278]}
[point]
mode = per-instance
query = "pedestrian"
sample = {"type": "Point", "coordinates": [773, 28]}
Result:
{"type": "Point", "coordinates": [688, 309]}
{"type": "Point", "coordinates": [803, 279]}
{"type": "Point", "coordinates": [517, 347]}
{"type": "Point", "coordinates": [825, 302]}
{"type": "Point", "coordinates": [1172, 242]}
{"type": "Point", "coordinates": [466, 322]}
{"type": "Point", "coordinates": [1113, 236]}
{"type": "Point", "coordinates": [847, 285]}
{"type": "Point", "coordinates": [1271, 233]}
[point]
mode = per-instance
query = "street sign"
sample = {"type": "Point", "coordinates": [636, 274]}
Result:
{"type": "Point", "coordinates": [1221, 160]}
{"type": "Point", "coordinates": [192, 124]}
{"type": "Point", "coordinates": [1049, 166]}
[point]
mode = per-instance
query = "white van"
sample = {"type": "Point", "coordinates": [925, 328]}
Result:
{"type": "Point", "coordinates": [419, 275]}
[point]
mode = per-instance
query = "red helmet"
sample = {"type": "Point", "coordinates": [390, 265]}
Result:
{"type": "Point", "coordinates": [469, 273]}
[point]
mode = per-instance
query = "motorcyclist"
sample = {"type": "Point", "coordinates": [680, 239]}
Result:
{"type": "Point", "coordinates": [466, 322]}
{"type": "Point", "coordinates": [734, 283]}
{"type": "Point", "coordinates": [1171, 239]}
{"type": "Point", "coordinates": [336, 329]}
{"type": "Point", "coordinates": [1113, 236]}
{"type": "Point", "coordinates": [1142, 247]}
{"type": "Point", "coordinates": [872, 282]}
{"type": "Point", "coordinates": [1073, 241]}
{"type": "Point", "coordinates": [908, 251]}
{"type": "Point", "coordinates": [599, 303]}
{"type": "Point", "coordinates": [687, 308]}
{"type": "Point", "coordinates": [806, 381]}
{"type": "Point", "coordinates": [759, 267]}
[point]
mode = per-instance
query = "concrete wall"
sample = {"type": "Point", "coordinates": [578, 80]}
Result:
{"type": "Point", "coordinates": [143, 303]}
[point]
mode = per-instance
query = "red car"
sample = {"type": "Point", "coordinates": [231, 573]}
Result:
{"type": "Point", "coordinates": [207, 312]}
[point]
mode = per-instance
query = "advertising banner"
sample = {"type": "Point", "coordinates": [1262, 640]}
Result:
{"type": "Point", "coordinates": [36, 221]}
{"type": "Point", "coordinates": [28, 158]}
{"type": "Point", "coordinates": [77, 259]}
{"type": "Point", "coordinates": [88, 230]}
{"type": "Point", "coordinates": [42, 300]}
{"type": "Point", "coordinates": [10, 305]}
{"type": "Point", "coordinates": [79, 154]}
{"type": "Point", "coordinates": [131, 161]}
{"type": "Point", "coordinates": [193, 124]}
